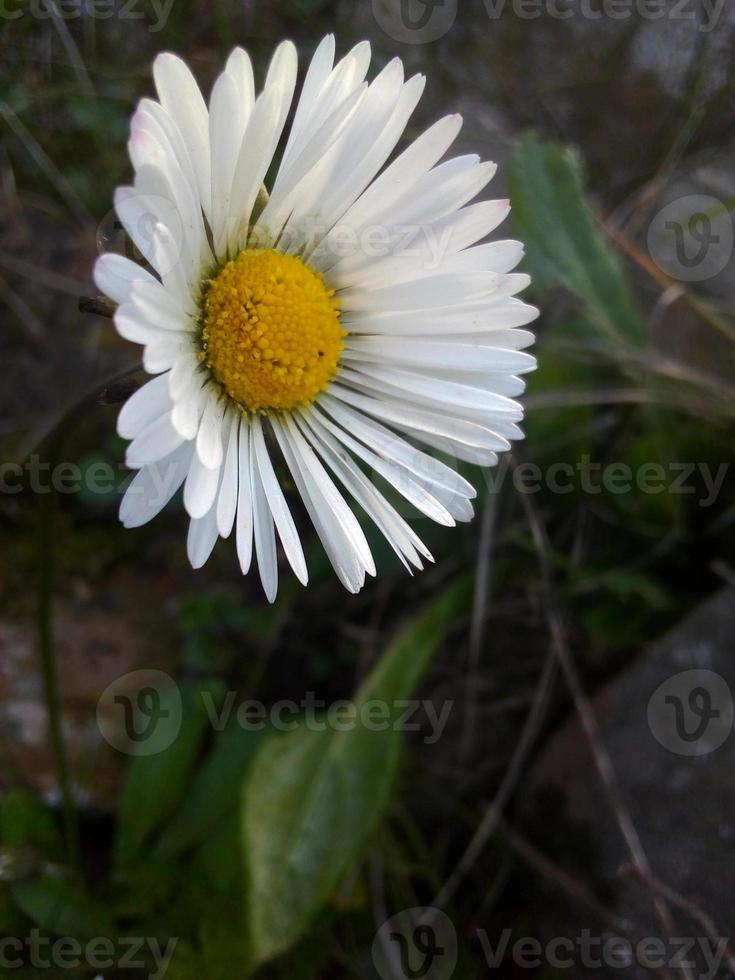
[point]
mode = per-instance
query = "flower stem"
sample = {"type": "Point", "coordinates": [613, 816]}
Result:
{"type": "Point", "coordinates": [113, 389]}
{"type": "Point", "coordinates": [46, 555]}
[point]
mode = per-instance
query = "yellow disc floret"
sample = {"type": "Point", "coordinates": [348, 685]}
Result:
{"type": "Point", "coordinates": [271, 332]}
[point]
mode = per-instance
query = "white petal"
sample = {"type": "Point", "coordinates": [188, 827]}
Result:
{"type": "Point", "coordinates": [182, 100]}
{"type": "Point", "coordinates": [227, 498]}
{"type": "Point", "coordinates": [135, 328]}
{"type": "Point", "coordinates": [501, 257]}
{"type": "Point", "coordinates": [317, 74]}
{"type": "Point", "coordinates": [412, 236]}
{"type": "Point", "coordinates": [438, 354]}
{"type": "Point", "coordinates": [157, 440]}
{"type": "Point", "coordinates": [390, 446]}
{"type": "Point", "coordinates": [397, 532]}
{"type": "Point", "coordinates": [433, 392]}
{"type": "Point", "coordinates": [227, 120]}
{"type": "Point", "coordinates": [353, 161]}
{"type": "Point", "coordinates": [277, 502]}
{"type": "Point", "coordinates": [153, 486]}
{"type": "Point", "coordinates": [444, 190]}
{"type": "Point", "coordinates": [397, 476]}
{"type": "Point", "coordinates": [288, 189]}
{"type": "Point", "coordinates": [513, 339]}
{"type": "Point", "coordinates": [265, 535]}
{"type": "Point", "coordinates": [471, 318]}
{"type": "Point", "coordinates": [502, 384]}
{"type": "Point", "coordinates": [187, 411]}
{"type": "Point", "coordinates": [170, 263]}
{"type": "Point", "coordinates": [141, 214]}
{"type": "Point", "coordinates": [424, 421]}
{"type": "Point", "coordinates": [369, 147]}
{"type": "Point", "coordinates": [181, 378]}
{"type": "Point", "coordinates": [159, 308]}
{"type": "Point", "coordinates": [151, 116]}
{"type": "Point", "coordinates": [412, 164]}
{"type": "Point", "coordinates": [144, 406]}
{"type": "Point", "coordinates": [240, 68]}
{"type": "Point", "coordinates": [209, 437]}
{"type": "Point", "coordinates": [318, 476]}
{"type": "Point", "coordinates": [192, 248]}
{"type": "Point", "coordinates": [114, 276]}
{"type": "Point", "coordinates": [474, 222]}
{"type": "Point", "coordinates": [202, 539]}
{"type": "Point", "coordinates": [458, 450]}
{"type": "Point", "coordinates": [319, 101]}
{"type": "Point", "coordinates": [430, 252]}
{"type": "Point", "coordinates": [244, 526]}
{"type": "Point", "coordinates": [162, 354]}
{"type": "Point", "coordinates": [421, 295]}
{"type": "Point", "coordinates": [163, 183]}
{"type": "Point", "coordinates": [201, 488]}
{"type": "Point", "coordinates": [346, 558]}
{"type": "Point", "coordinates": [260, 140]}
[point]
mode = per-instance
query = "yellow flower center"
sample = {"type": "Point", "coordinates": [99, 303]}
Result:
{"type": "Point", "coordinates": [271, 332]}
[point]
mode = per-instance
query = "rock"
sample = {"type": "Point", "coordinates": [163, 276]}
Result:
{"type": "Point", "coordinates": [100, 637]}
{"type": "Point", "coordinates": [667, 722]}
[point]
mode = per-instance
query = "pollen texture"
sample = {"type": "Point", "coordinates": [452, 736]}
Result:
{"type": "Point", "coordinates": [271, 332]}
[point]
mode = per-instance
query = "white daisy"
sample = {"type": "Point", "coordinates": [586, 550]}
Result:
{"type": "Point", "coordinates": [330, 324]}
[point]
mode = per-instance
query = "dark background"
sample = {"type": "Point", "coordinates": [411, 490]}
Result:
{"type": "Point", "coordinates": [619, 591]}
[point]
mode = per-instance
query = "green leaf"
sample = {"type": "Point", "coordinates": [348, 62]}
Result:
{"type": "Point", "coordinates": [563, 241]}
{"type": "Point", "coordinates": [141, 891]}
{"type": "Point", "coordinates": [564, 433]}
{"type": "Point", "coordinates": [217, 864]}
{"type": "Point", "coordinates": [59, 906]}
{"type": "Point", "coordinates": [156, 783]}
{"type": "Point", "coordinates": [25, 821]}
{"type": "Point", "coordinates": [312, 797]}
{"type": "Point", "coordinates": [12, 921]}
{"type": "Point", "coordinates": [214, 793]}
{"type": "Point", "coordinates": [627, 585]}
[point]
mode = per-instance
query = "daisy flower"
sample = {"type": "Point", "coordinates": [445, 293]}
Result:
{"type": "Point", "coordinates": [320, 332]}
